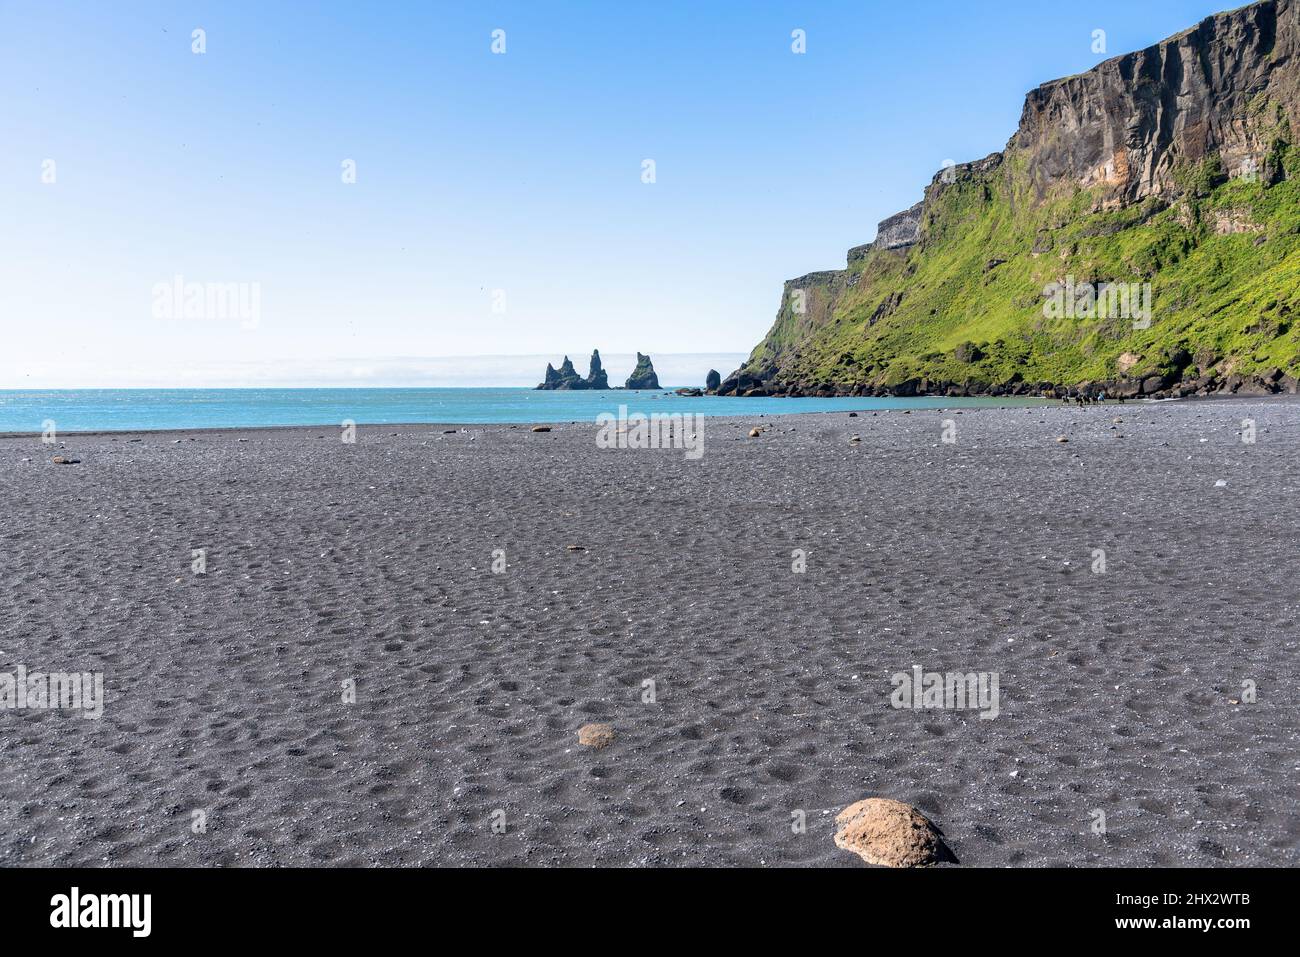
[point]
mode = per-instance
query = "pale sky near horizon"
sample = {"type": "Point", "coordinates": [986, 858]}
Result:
{"type": "Point", "coordinates": [127, 160]}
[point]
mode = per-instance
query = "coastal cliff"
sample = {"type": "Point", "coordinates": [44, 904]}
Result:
{"type": "Point", "coordinates": [1140, 233]}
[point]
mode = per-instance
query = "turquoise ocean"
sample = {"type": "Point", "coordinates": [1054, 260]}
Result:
{"type": "Point", "coordinates": [83, 410]}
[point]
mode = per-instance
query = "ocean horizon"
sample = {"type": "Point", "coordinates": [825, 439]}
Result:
{"type": "Point", "coordinates": [137, 410]}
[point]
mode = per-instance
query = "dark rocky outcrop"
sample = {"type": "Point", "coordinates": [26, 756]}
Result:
{"type": "Point", "coordinates": [552, 380]}
{"type": "Point", "coordinates": [567, 378]}
{"type": "Point", "coordinates": [712, 380]}
{"type": "Point", "coordinates": [1160, 386]}
{"type": "Point", "coordinates": [897, 232]}
{"type": "Point", "coordinates": [643, 376]}
{"type": "Point", "coordinates": [900, 230]}
{"type": "Point", "coordinates": [597, 378]}
{"type": "Point", "coordinates": [1130, 123]}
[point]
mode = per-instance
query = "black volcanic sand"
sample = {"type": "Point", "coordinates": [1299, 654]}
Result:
{"type": "Point", "coordinates": [372, 562]}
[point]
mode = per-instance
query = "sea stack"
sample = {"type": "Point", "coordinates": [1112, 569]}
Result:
{"type": "Point", "coordinates": [643, 376]}
{"type": "Point", "coordinates": [565, 378]}
{"type": "Point", "coordinates": [597, 377]}
{"type": "Point", "coordinates": [552, 380]}
{"type": "Point", "coordinates": [569, 378]}
{"type": "Point", "coordinates": [712, 380]}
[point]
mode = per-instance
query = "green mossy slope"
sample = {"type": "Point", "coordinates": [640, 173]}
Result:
{"type": "Point", "coordinates": [966, 305]}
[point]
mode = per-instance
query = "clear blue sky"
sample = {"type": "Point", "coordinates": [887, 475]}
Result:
{"type": "Point", "coordinates": [477, 171]}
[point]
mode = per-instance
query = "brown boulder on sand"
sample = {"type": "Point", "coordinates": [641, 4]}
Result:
{"type": "Point", "coordinates": [596, 735]}
{"type": "Point", "coordinates": [890, 834]}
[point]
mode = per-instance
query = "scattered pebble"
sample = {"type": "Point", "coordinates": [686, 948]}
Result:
{"type": "Point", "coordinates": [890, 834]}
{"type": "Point", "coordinates": [596, 735]}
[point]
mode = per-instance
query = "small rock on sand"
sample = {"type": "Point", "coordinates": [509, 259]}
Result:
{"type": "Point", "coordinates": [541, 428]}
{"type": "Point", "coordinates": [755, 433]}
{"type": "Point", "coordinates": [65, 460]}
{"type": "Point", "coordinates": [1062, 439]}
{"type": "Point", "coordinates": [890, 834]}
{"type": "Point", "coordinates": [596, 735]}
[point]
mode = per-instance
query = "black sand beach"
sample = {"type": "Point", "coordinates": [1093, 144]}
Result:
{"type": "Point", "coordinates": [1120, 691]}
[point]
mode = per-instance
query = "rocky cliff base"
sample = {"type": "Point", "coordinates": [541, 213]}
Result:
{"type": "Point", "coordinates": [1160, 386]}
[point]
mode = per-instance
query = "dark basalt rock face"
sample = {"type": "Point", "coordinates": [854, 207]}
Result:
{"type": "Point", "coordinates": [552, 380]}
{"type": "Point", "coordinates": [565, 378]}
{"type": "Point", "coordinates": [1163, 386]}
{"type": "Point", "coordinates": [569, 378]}
{"type": "Point", "coordinates": [897, 232]}
{"type": "Point", "coordinates": [712, 380]}
{"type": "Point", "coordinates": [745, 384]}
{"type": "Point", "coordinates": [900, 230]}
{"type": "Point", "coordinates": [1132, 121]}
{"type": "Point", "coordinates": [643, 376]}
{"type": "Point", "coordinates": [597, 377]}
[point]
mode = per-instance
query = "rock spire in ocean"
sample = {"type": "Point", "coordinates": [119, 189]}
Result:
{"type": "Point", "coordinates": [597, 377]}
{"type": "Point", "coordinates": [643, 376]}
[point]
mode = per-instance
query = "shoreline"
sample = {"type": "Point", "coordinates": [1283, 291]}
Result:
{"type": "Point", "coordinates": [1025, 402]}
